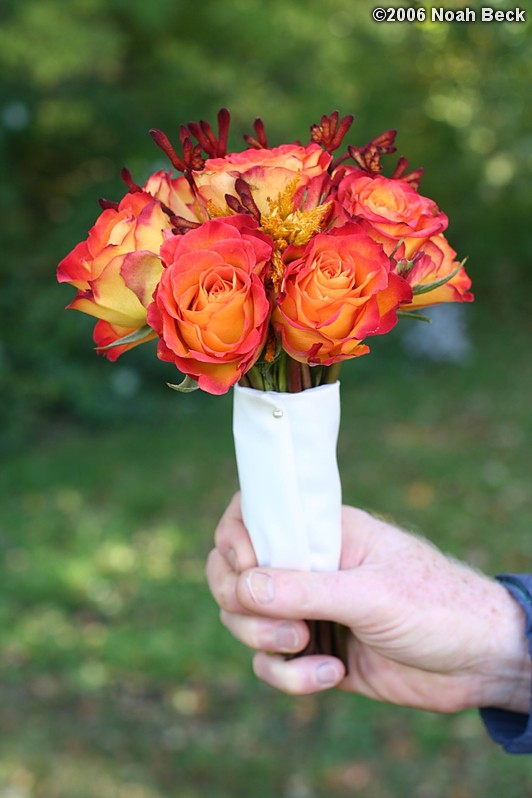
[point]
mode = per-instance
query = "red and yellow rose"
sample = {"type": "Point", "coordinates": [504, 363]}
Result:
{"type": "Point", "coordinates": [118, 266]}
{"type": "Point", "coordinates": [434, 262]}
{"type": "Point", "coordinates": [176, 194]}
{"type": "Point", "coordinates": [267, 171]}
{"type": "Point", "coordinates": [210, 308]}
{"type": "Point", "coordinates": [392, 207]}
{"type": "Point", "coordinates": [337, 292]}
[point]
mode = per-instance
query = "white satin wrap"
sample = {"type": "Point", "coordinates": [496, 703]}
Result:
{"type": "Point", "coordinates": [285, 447]}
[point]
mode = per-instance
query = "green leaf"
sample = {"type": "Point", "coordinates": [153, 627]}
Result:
{"type": "Point", "coordinates": [403, 314]}
{"type": "Point", "coordinates": [131, 338]}
{"type": "Point", "coordinates": [187, 386]}
{"type": "Point", "coordinates": [424, 289]}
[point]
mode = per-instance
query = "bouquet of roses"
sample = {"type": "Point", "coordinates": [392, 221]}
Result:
{"type": "Point", "coordinates": [264, 270]}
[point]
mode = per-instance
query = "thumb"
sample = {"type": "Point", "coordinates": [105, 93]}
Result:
{"type": "Point", "coordinates": [305, 595]}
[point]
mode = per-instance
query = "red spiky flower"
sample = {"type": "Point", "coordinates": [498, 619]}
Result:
{"type": "Point", "coordinates": [330, 132]}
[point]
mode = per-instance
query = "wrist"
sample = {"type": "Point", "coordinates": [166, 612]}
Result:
{"type": "Point", "coordinates": [506, 670]}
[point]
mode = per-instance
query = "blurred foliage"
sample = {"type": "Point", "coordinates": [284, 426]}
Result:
{"type": "Point", "coordinates": [83, 81]}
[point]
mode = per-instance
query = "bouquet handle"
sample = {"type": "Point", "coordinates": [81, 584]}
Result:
{"type": "Point", "coordinates": [326, 637]}
{"type": "Point", "coordinates": [285, 446]}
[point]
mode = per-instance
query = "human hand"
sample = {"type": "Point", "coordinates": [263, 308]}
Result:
{"type": "Point", "coordinates": [425, 631]}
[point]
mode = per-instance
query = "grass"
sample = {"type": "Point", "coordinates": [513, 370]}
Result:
{"type": "Point", "coordinates": [117, 678]}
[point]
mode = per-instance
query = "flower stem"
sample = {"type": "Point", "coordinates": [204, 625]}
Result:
{"type": "Point", "coordinates": [285, 374]}
{"type": "Point", "coordinates": [255, 378]}
{"type": "Point", "coordinates": [317, 374]}
{"type": "Point", "coordinates": [282, 373]}
{"type": "Point", "coordinates": [333, 372]}
{"type": "Point", "coordinates": [293, 376]}
{"type": "Point", "coordinates": [306, 379]}
{"type": "Point", "coordinates": [326, 637]}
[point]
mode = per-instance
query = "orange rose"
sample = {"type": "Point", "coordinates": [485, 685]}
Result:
{"type": "Point", "coordinates": [210, 307]}
{"type": "Point", "coordinates": [393, 207]}
{"type": "Point", "coordinates": [267, 171]}
{"type": "Point", "coordinates": [434, 262]}
{"type": "Point", "coordinates": [339, 291]}
{"type": "Point", "coordinates": [118, 266]}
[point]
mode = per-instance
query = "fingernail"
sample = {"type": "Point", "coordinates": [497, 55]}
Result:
{"type": "Point", "coordinates": [327, 675]}
{"type": "Point", "coordinates": [286, 636]}
{"type": "Point", "coordinates": [260, 586]}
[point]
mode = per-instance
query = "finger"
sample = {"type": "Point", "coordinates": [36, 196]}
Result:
{"type": "Point", "coordinates": [343, 596]}
{"type": "Point", "coordinates": [267, 634]}
{"type": "Point", "coordinates": [231, 537]}
{"type": "Point", "coordinates": [299, 676]}
{"type": "Point", "coordinates": [222, 581]}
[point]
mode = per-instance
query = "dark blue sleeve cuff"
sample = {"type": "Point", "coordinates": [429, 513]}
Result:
{"type": "Point", "coordinates": [513, 730]}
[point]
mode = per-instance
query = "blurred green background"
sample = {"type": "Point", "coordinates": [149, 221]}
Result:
{"type": "Point", "coordinates": [116, 678]}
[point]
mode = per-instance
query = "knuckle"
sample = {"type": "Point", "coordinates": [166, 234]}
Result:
{"type": "Point", "coordinates": [211, 561]}
{"type": "Point", "coordinates": [225, 596]}
{"type": "Point", "coordinates": [221, 534]}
